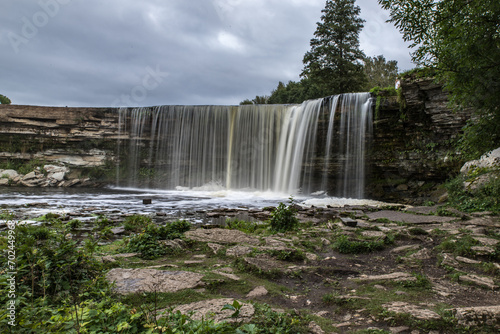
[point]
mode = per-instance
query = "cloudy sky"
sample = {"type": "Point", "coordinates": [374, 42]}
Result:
{"type": "Point", "coordinates": [155, 52]}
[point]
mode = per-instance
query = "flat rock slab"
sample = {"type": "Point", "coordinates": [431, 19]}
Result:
{"type": "Point", "coordinates": [150, 280]}
{"type": "Point", "coordinates": [408, 218]}
{"type": "Point", "coordinates": [395, 277]}
{"type": "Point", "coordinates": [485, 282]}
{"type": "Point", "coordinates": [479, 316]}
{"type": "Point", "coordinates": [221, 236]}
{"type": "Point", "coordinates": [212, 309]}
{"type": "Point", "coordinates": [415, 311]}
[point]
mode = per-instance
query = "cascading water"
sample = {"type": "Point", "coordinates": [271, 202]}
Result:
{"type": "Point", "coordinates": [281, 148]}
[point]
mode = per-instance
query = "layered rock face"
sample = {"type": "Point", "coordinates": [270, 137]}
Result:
{"type": "Point", "coordinates": [410, 153]}
{"type": "Point", "coordinates": [412, 148]}
{"type": "Point", "coordinates": [78, 137]}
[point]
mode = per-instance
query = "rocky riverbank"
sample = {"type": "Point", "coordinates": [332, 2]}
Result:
{"type": "Point", "coordinates": [353, 269]}
{"type": "Point", "coordinates": [46, 176]}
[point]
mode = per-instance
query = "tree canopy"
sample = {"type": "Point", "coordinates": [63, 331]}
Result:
{"type": "Point", "coordinates": [379, 72]}
{"type": "Point", "coordinates": [461, 40]}
{"type": "Point", "coordinates": [4, 99]}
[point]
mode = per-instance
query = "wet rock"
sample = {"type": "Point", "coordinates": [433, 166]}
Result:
{"type": "Point", "coordinates": [222, 236]}
{"type": "Point", "coordinates": [212, 309]}
{"type": "Point", "coordinates": [150, 280]}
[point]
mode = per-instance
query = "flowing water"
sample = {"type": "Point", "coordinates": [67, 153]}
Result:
{"type": "Point", "coordinates": [192, 158]}
{"type": "Point", "coordinates": [267, 148]}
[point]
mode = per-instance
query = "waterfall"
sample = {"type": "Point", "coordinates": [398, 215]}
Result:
{"type": "Point", "coordinates": [280, 148]}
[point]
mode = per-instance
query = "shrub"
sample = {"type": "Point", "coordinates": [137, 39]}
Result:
{"type": "Point", "coordinates": [136, 223]}
{"type": "Point", "coordinates": [148, 245]}
{"type": "Point", "coordinates": [283, 218]}
{"type": "Point", "coordinates": [346, 246]}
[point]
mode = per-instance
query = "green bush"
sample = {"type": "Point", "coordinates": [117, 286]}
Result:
{"type": "Point", "coordinates": [147, 243]}
{"type": "Point", "coordinates": [283, 218]}
{"type": "Point", "coordinates": [485, 198]}
{"type": "Point", "coordinates": [136, 223]}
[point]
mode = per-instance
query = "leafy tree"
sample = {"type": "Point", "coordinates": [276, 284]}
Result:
{"type": "Point", "coordinates": [4, 99]}
{"type": "Point", "coordinates": [380, 72]}
{"type": "Point", "coordinates": [295, 92]}
{"type": "Point", "coordinates": [461, 40]}
{"type": "Point", "coordinates": [335, 59]}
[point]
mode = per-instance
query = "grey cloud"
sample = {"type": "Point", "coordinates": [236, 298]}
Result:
{"type": "Point", "coordinates": [91, 53]}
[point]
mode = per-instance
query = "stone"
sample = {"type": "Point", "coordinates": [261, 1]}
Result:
{"type": "Point", "coordinates": [485, 282]}
{"type": "Point", "coordinates": [415, 311]}
{"type": "Point", "coordinates": [238, 251]}
{"type": "Point", "coordinates": [212, 309]}
{"type": "Point", "coordinates": [397, 330]}
{"type": "Point", "coordinates": [214, 247]}
{"type": "Point", "coordinates": [9, 173]}
{"type": "Point", "coordinates": [466, 260]}
{"type": "Point", "coordinates": [404, 248]}
{"type": "Point", "coordinates": [222, 236]}
{"type": "Point", "coordinates": [487, 241]}
{"type": "Point", "coordinates": [395, 277]}
{"type": "Point", "coordinates": [4, 182]}
{"type": "Point", "coordinates": [228, 275]}
{"type": "Point", "coordinates": [29, 176]}
{"type": "Point", "coordinates": [373, 234]}
{"type": "Point", "coordinates": [311, 257]}
{"type": "Point", "coordinates": [118, 230]}
{"type": "Point", "coordinates": [314, 328]}
{"type": "Point", "coordinates": [408, 218]}
{"type": "Point", "coordinates": [151, 280]}
{"type": "Point", "coordinates": [489, 160]}
{"type": "Point", "coordinates": [259, 291]}
{"type": "Point", "coordinates": [478, 316]}
{"type": "Point", "coordinates": [483, 250]}
{"type": "Point", "coordinates": [422, 254]}
{"type": "Point", "coordinates": [59, 176]}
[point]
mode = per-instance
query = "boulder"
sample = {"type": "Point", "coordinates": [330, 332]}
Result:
{"type": "Point", "coordinates": [9, 173]}
{"type": "Point", "coordinates": [490, 160]}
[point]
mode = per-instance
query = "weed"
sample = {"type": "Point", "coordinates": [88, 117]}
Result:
{"type": "Point", "coordinates": [283, 218]}
{"type": "Point", "coordinates": [346, 246]}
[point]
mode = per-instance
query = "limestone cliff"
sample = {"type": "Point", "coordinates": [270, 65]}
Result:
{"type": "Point", "coordinates": [411, 151]}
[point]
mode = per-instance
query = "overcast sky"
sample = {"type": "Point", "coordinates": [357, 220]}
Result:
{"type": "Point", "coordinates": [156, 52]}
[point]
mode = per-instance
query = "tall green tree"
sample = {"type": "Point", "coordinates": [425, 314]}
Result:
{"type": "Point", "coordinates": [335, 59]}
{"type": "Point", "coordinates": [380, 72]}
{"type": "Point", "coordinates": [461, 40]}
